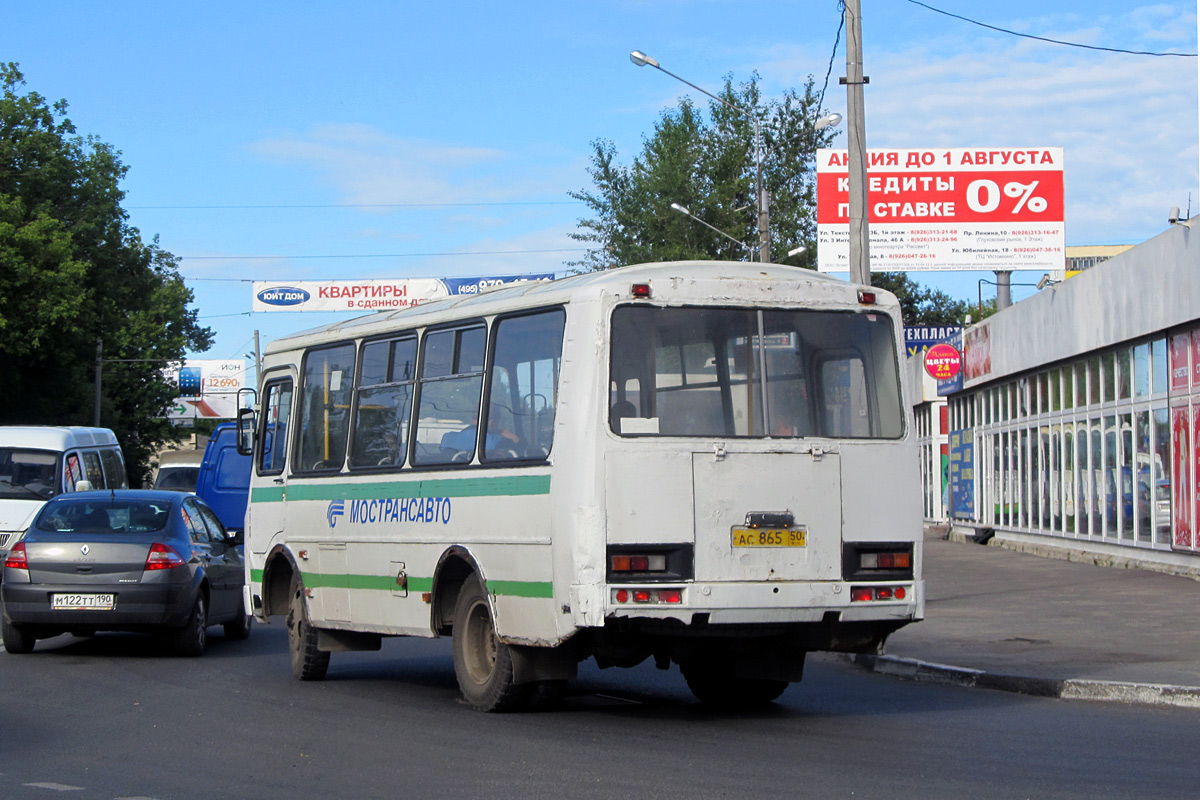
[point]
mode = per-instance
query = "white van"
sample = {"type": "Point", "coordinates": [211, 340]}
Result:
{"type": "Point", "coordinates": [37, 463]}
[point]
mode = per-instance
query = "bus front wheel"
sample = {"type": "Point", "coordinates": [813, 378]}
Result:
{"type": "Point", "coordinates": [308, 662]}
{"type": "Point", "coordinates": [482, 663]}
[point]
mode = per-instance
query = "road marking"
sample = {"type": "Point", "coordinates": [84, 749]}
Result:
{"type": "Point", "coordinates": [58, 787]}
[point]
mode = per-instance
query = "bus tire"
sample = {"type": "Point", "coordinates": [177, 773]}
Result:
{"type": "Point", "coordinates": [308, 662]}
{"type": "Point", "coordinates": [482, 663]}
{"type": "Point", "coordinates": [712, 680]}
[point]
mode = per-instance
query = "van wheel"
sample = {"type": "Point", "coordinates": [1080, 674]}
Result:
{"type": "Point", "coordinates": [482, 663]}
{"type": "Point", "coordinates": [17, 640]}
{"type": "Point", "coordinates": [712, 680]}
{"type": "Point", "coordinates": [308, 662]}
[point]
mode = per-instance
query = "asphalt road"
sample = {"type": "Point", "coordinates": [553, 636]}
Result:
{"type": "Point", "coordinates": [118, 716]}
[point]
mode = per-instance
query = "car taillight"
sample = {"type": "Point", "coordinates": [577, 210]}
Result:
{"type": "Point", "coordinates": [16, 557]}
{"type": "Point", "coordinates": [163, 556]}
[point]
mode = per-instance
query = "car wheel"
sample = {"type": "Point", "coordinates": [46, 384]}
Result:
{"type": "Point", "coordinates": [240, 628]}
{"type": "Point", "coordinates": [191, 639]}
{"type": "Point", "coordinates": [712, 680]}
{"type": "Point", "coordinates": [308, 662]}
{"type": "Point", "coordinates": [482, 663]}
{"type": "Point", "coordinates": [17, 640]}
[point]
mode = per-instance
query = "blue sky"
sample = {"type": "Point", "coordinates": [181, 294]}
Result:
{"type": "Point", "coordinates": [251, 129]}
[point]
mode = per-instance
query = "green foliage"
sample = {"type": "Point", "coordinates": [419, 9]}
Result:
{"type": "Point", "coordinates": [72, 272]}
{"type": "Point", "coordinates": [920, 305]}
{"type": "Point", "coordinates": [708, 166]}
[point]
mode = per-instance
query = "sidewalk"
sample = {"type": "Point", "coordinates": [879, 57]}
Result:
{"type": "Point", "coordinates": [1000, 619]}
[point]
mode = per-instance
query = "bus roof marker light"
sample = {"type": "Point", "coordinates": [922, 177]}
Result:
{"type": "Point", "coordinates": [640, 290]}
{"type": "Point", "coordinates": [866, 298]}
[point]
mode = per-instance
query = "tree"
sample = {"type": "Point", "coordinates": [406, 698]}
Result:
{"type": "Point", "coordinates": [74, 273]}
{"type": "Point", "coordinates": [920, 305]}
{"type": "Point", "coordinates": [707, 165]}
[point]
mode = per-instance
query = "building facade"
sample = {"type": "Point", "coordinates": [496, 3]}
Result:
{"type": "Point", "coordinates": [1079, 416]}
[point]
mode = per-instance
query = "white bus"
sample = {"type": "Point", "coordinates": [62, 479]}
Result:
{"type": "Point", "coordinates": [711, 464]}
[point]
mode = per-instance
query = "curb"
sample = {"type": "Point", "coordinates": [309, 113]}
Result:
{"type": "Point", "coordinates": [1151, 694]}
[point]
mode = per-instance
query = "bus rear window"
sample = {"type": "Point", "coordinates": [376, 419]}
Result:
{"type": "Point", "coordinates": [749, 373]}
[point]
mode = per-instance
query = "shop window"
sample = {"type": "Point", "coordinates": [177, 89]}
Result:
{"type": "Point", "coordinates": [1123, 373]}
{"type": "Point", "coordinates": [1094, 380]}
{"type": "Point", "coordinates": [1141, 370]}
{"type": "Point", "coordinates": [1160, 471]}
{"type": "Point", "coordinates": [1158, 365]}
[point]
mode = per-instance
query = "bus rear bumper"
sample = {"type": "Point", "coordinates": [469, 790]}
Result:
{"type": "Point", "coordinates": [748, 603]}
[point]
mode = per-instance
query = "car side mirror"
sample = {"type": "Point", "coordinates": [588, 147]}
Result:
{"type": "Point", "coordinates": [235, 538]}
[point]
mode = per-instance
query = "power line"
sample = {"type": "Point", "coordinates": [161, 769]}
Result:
{"type": "Point", "coordinates": [1051, 41]}
{"type": "Point", "coordinates": [385, 255]}
{"type": "Point", "coordinates": [363, 205]}
{"type": "Point", "coordinates": [836, 41]}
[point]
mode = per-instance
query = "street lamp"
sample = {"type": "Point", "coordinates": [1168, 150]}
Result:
{"type": "Point", "coordinates": [749, 250]}
{"type": "Point", "coordinates": [764, 234]}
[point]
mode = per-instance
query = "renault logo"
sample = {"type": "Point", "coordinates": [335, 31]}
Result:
{"type": "Point", "coordinates": [85, 549]}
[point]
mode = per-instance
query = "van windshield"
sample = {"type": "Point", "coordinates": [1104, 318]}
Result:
{"type": "Point", "coordinates": [739, 372]}
{"type": "Point", "coordinates": [28, 474]}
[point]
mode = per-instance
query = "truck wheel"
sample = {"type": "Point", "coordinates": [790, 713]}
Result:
{"type": "Point", "coordinates": [308, 663]}
{"type": "Point", "coordinates": [482, 663]}
{"type": "Point", "coordinates": [712, 680]}
{"type": "Point", "coordinates": [17, 640]}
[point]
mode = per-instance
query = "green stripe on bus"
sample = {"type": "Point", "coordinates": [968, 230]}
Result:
{"type": "Point", "coordinates": [387, 583]}
{"type": "Point", "coordinates": [508, 485]}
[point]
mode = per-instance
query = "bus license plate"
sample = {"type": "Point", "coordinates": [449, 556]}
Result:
{"type": "Point", "coordinates": [93, 602]}
{"type": "Point", "coordinates": [769, 537]}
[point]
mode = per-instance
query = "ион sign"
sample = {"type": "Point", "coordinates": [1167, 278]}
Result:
{"type": "Point", "coordinates": [943, 361]}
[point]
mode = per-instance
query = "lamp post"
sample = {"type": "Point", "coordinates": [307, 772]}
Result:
{"type": "Point", "coordinates": [764, 215]}
{"type": "Point", "coordinates": [749, 250]}
{"type": "Point", "coordinates": [979, 287]}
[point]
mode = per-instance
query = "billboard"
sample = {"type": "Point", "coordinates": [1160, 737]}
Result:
{"type": "Point", "coordinates": [373, 295]}
{"type": "Point", "coordinates": [947, 209]}
{"type": "Point", "coordinates": [207, 388]}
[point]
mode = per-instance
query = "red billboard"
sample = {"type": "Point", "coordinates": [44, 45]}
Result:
{"type": "Point", "coordinates": [947, 209]}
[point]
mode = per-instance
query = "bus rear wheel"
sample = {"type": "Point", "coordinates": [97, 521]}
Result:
{"type": "Point", "coordinates": [482, 663]}
{"type": "Point", "coordinates": [713, 681]}
{"type": "Point", "coordinates": [308, 662]}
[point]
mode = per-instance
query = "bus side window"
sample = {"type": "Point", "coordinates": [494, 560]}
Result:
{"type": "Point", "coordinates": [273, 436]}
{"type": "Point", "coordinates": [325, 408]}
{"type": "Point", "coordinates": [524, 387]}
{"type": "Point", "coordinates": [384, 404]}
{"type": "Point", "coordinates": [450, 386]}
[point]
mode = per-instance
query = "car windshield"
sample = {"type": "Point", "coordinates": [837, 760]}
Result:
{"type": "Point", "coordinates": [28, 474]}
{"type": "Point", "coordinates": [104, 515]}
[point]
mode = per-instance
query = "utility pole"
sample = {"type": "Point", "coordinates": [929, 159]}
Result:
{"type": "Point", "coordinates": [99, 371]}
{"type": "Point", "coordinates": [856, 131]}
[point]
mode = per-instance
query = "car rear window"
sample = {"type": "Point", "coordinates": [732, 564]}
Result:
{"type": "Point", "coordinates": [104, 516]}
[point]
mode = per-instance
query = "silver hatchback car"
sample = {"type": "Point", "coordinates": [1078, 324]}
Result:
{"type": "Point", "coordinates": [126, 560]}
